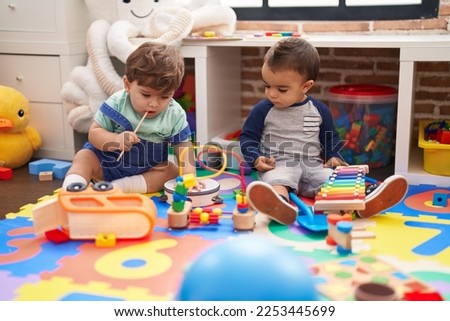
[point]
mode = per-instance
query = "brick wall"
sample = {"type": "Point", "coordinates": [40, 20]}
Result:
{"type": "Point", "coordinates": [341, 66]}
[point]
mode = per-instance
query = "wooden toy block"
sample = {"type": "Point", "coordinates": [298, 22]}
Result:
{"type": "Point", "coordinates": [243, 221]}
{"type": "Point", "coordinates": [59, 168]}
{"type": "Point", "coordinates": [6, 173]}
{"type": "Point", "coordinates": [341, 232]}
{"type": "Point", "coordinates": [179, 219]}
{"type": "Point", "coordinates": [46, 176]}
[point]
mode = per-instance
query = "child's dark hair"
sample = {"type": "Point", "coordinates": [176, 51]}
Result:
{"type": "Point", "coordinates": [295, 54]}
{"type": "Point", "coordinates": [156, 65]}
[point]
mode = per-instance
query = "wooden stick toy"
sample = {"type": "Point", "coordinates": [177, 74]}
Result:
{"type": "Point", "coordinates": [135, 131]}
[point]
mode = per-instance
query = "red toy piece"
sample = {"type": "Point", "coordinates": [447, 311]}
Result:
{"type": "Point", "coordinates": [422, 296]}
{"type": "Point", "coordinates": [445, 137]}
{"type": "Point", "coordinates": [57, 236]}
{"type": "Point", "coordinates": [6, 173]}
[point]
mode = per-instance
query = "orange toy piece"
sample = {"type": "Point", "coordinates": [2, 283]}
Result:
{"type": "Point", "coordinates": [87, 213]}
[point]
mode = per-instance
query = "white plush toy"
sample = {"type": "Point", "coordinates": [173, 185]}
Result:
{"type": "Point", "coordinates": [210, 15]}
{"type": "Point", "coordinates": [111, 35]}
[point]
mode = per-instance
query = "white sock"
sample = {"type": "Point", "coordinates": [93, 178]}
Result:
{"type": "Point", "coordinates": [131, 184]}
{"type": "Point", "coordinates": [73, 178]}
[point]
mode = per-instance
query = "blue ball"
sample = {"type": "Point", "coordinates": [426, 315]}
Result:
{"type": "Point", "coordinates": [248, 269]}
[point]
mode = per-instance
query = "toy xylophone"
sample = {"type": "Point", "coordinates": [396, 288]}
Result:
{"type": "Point", "coordinates": [344, 190]}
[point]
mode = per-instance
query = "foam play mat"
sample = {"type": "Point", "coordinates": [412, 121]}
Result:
{"type": "Point", "coordinates": [409, 251]}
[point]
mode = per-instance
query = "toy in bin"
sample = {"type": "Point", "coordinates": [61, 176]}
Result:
{"type": "Point", "coordinates": [434, 138]}
{"type": "Point", "coordinates": [364, 116]}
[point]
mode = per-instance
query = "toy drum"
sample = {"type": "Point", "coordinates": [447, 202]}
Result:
{"type": "Point", "coordinates": [203, 197]}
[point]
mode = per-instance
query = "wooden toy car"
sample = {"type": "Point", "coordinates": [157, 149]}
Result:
{"type": "Point", "coordinates": [99, 211]}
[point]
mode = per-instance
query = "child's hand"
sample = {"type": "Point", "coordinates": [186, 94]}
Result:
{"type": "Point", "coordinates": [335, 161]}
{"type": "Point", "coordinates": [264, 164]}
{"type": "Point", "coordinates": [126, 140]}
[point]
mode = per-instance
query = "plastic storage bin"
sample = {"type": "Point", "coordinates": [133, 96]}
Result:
{"type": "Point", "coordinates": [436, 156]}
{"type": "Point", "coordinates": [364, 116]}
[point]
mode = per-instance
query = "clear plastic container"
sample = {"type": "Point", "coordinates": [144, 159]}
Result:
{"type": "Point", "coordinates": [365, 116]}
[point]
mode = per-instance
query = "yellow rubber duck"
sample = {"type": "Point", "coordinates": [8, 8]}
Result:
{"type": "Point", "coordinates": [18, 141]}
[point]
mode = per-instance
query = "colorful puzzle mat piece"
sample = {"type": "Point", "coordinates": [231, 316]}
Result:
{"type": "Point", "coordinates": [413, 242]}
{"type": "Point", "coordinates": [419, 201]}
{"type": "Point", "coordinates": [337, 280]}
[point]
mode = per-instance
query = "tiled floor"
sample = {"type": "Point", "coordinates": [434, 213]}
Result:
{"type": "Point", "coordinates": [22, 189]}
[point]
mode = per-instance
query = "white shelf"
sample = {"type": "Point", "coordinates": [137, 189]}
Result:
{"type": "Point", "coordinates": [338, 41]}
{"type": "Point", "coordinates": [218, 92]}
{"type": "Point", "coordinates": [417, 175]}
{"type": "Point", "coordinates": [37, 52]}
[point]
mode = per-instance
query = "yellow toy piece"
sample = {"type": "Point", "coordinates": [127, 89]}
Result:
{"type": "Point", "coordinates": [217, 211]}
{"type": "Point", "coordinates": [204, 218]}
{"type": "Point", "coordinates": [209, 34]}
{"type": "Point", "coordinates": [18, 140]}
{"type": "Point", "coordinates": [189, 180]}
{"type": "Point", "coordinates": [105, 240]}
{"type": "Point", "coordinates": [198, 210]}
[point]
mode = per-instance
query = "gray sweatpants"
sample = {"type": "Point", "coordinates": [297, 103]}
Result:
{"type": "Point", "coordinates": [304, 178]}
